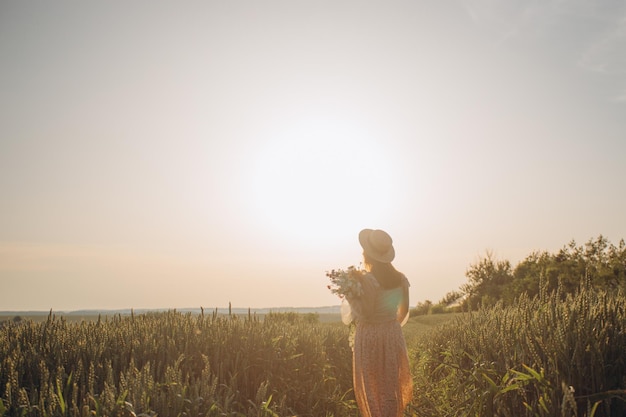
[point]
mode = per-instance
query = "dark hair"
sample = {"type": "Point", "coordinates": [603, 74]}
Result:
{"type": "Point", "coordinates": [387, 276]}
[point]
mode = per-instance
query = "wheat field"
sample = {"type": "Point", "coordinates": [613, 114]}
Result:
{"type": "Point", "coordinates": [551, 355]}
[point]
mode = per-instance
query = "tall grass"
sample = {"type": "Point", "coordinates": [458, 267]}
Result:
{"type": "Point", "coordinates": [172, 364]}
{"type": "Point", "coordinates": [552, 355]}
{"type": "Point", "coordinates": [547, 356]}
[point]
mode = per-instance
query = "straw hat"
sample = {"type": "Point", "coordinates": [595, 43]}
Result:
{"type": "Point", "coordinates": [377, 244]}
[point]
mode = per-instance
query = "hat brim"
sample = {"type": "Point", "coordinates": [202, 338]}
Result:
{"type": "Point", "coordinates": [364, 240]}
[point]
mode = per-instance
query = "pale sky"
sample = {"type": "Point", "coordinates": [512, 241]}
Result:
{"type": "Point", "coordinates": [178, 154]}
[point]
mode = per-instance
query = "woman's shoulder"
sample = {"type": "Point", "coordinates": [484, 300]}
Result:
{"type": "Point", "coordinates": [404, 281]}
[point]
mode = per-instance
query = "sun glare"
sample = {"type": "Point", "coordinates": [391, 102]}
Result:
{"type": "Point", "coordinates": [312, 181]}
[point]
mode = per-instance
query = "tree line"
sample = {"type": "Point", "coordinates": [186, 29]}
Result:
{"type": "Point", "coordinates": [490, 280]}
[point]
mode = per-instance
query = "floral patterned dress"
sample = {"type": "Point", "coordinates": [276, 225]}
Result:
{"type": "Point", "coordinates": [382, 381]}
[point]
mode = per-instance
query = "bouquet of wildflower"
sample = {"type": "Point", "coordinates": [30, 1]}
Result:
{"type": "Point", "coordinates": [345, 282]}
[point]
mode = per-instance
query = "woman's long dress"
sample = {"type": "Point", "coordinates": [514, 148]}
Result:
{"type": "Point", "coordinates": [382, 381]}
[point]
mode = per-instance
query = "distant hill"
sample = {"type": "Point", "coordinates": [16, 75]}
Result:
{"type": "Point", "coordinates": [128, 311]}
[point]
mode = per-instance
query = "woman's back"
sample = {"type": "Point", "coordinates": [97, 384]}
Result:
{"type": "Point", "coordinates": [384, 302]}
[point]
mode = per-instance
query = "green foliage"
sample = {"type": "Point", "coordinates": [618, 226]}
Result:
{"type": "Point", "coordinates": [450, 303]}
{"type": "Point", "coordinates": [422, 308]}
{"type": "Point", "coordinates": [438, 309]}
{"type": "Point", "coordinates": [491, 280]}
{"type": "Point", "coordinates": [488, 280]}
{"type": "Point", "coordinates": [543, 356]}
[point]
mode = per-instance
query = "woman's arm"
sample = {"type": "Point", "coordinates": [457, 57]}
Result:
{"type": "Point", "coordinates": [403, 308]}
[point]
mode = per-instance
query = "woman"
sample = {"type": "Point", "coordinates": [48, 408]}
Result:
{"type": "Point", "coordinates": [382, 381]}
